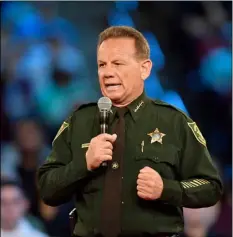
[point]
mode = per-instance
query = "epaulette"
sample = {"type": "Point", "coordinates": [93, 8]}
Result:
{"type": "Point", "coordinates": [66, 123]}
{"type": "Point", "coordinates": [192, 125]}
{"type": "Point", "coordinates": [162, 103]}
{"type": "Point", "coordinates": [82, 106]}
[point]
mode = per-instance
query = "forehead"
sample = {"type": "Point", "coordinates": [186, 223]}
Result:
{"type": "Point", "coordinates": [116, 47]}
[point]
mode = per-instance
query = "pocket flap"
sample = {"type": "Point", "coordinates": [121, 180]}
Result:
{"type": "Point", "coordinates": [164, 155]}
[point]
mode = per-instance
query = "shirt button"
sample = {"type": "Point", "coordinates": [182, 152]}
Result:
{"type": "Point", "coordinates": [122, 177]}
{"type": "Point", "coordinates": [122, 202]}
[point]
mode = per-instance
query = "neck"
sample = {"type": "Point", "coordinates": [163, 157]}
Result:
{"type": "Point", "coordinates": [129, 101]}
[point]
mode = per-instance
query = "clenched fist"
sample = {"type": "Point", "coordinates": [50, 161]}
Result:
{"type": "Point", "coordinates": [100, 150]}
{"type": "Point", "coordinates": [149, 184]}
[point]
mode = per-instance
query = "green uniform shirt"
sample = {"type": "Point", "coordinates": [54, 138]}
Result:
{"type": "Point", "coordinates": [157, 135]}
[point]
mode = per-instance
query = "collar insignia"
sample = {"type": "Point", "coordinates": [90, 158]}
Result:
{"type": "Point", "coordinates": [139, 106]}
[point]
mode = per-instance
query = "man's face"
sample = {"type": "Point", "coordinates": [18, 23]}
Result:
{"type": "Point", "coordinates": [121, 74]}
{"type": "Point", "coordinates": [13, 206]}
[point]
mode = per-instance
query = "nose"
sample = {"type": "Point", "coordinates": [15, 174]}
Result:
{"type": "Point", "coordinates": [108, 72]}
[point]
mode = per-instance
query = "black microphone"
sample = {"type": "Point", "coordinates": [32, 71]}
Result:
{"type": "Point", "coordinates": [104, 104]}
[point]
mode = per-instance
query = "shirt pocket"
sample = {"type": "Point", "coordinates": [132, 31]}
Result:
{"type": "Point", "coordinates": [164, 160]}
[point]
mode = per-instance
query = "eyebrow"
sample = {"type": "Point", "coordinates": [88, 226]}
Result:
{"type": "Point", "coordinates": [115, 60]}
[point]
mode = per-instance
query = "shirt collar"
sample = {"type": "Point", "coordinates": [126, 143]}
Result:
{"type": "Point", "coordinates": [135, 108]}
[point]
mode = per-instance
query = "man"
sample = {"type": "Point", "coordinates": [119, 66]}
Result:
{"type": "Point", "coordinates": [157, 159]}
{"type": "Point", "coordinates": [14, 206]}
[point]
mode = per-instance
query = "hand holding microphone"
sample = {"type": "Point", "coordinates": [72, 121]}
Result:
{"type": "Point", "coordinates": [101, 146]}
{"type": "Point", "coordinates": [100, 150]}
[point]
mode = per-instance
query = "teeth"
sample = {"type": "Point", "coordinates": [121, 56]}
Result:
{"type": "Point", "coordinates": [113, 87]}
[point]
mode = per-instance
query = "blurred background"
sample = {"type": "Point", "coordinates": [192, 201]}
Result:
{"type": "Point", "coordinates": [48, 67]}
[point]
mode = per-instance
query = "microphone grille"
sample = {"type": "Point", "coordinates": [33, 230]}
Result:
{"type": "Point", "coordinates": [104, 103]}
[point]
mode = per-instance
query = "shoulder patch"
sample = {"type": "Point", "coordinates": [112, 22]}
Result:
{"type": "Point", "coordinates": [197, 133]}
{"type": "Point", "coordinates": [61, 129]}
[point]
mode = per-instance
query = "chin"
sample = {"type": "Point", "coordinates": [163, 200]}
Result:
{"type": "Point", "coordinates": [114, 96]}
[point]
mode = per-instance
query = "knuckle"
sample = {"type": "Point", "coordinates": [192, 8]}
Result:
{"type": "Point", "coordinates": [102, 136]}
{"type": "Point", "coordinates": [106, 136]}
{"type": "Point", "coordinates": [151, 184]}
{"type": "Point", "coordinates": [93, 140]}
{"type": "Point", "coordinates": [99, 159]}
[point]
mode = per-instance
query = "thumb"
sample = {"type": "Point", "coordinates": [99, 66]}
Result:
{"type": "Point", "coordinates": [114, 137]}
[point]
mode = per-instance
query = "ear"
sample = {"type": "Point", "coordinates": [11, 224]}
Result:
{"type": "Point", "coordinates": [146, 67]}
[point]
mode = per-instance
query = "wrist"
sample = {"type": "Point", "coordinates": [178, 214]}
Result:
{"type": "Point", "coordinates": [172, 192]}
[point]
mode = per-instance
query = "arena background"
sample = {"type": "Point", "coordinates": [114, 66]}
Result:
{"type": "Point", "coordinates": [48, 66]}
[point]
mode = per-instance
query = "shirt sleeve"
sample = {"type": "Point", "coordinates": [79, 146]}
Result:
{"type": "Point", "coordinates": [60, 176]}
{"type": "Point", "coordinates": [200, 184]}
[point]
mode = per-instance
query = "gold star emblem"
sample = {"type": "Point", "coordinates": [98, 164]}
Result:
{"type": "Point", "coordinates": [156, 136]}
{"type": "Point", "coordinates": [115, 165]}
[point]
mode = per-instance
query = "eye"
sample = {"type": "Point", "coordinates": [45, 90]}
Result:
{"type": "Point", "coordinates": [101, 65]}
{"type": "Point", "coordinates": [118, 64]}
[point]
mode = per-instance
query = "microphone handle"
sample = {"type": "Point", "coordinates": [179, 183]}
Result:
{"type": "Point", "coordinates": [104, 127]}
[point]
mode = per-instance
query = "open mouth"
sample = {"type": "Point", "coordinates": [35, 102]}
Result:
{"type": "Point", "coordinates": [112, 86]}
